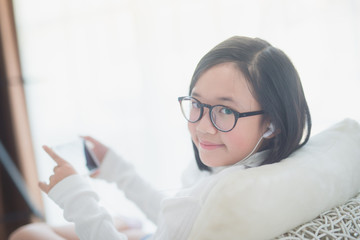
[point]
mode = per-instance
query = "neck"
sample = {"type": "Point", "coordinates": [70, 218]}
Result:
{"type": "Point", "coordinates": [245, 161]}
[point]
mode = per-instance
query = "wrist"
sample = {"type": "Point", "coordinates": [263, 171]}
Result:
{"type": "Point", "coordinates": [114, 167]}
{"type": "Point", "coordinates": [69, 188]}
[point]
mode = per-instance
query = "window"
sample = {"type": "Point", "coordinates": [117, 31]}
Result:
{"type": "Point", "coordinates": [95, 67]}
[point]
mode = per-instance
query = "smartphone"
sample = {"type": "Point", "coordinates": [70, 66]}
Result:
{"type": "Point", "coordinates": [92, 163]}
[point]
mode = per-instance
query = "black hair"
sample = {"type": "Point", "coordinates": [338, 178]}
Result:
{"type": "Point", "coordinates": [275, 84]}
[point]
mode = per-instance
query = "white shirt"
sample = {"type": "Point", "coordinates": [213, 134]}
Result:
{"type": "Point", "coordinates": [174, 216]}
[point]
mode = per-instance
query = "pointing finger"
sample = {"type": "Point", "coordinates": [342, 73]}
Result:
{"type": "Point", "coordinates": [53, 155]}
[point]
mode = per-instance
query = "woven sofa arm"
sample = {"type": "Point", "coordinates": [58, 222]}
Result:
{"type": "Point", "coordinates": [342, 222]}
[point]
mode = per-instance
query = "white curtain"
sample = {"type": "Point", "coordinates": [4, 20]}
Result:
{"type": "Point", "coordinates": [113, 69]}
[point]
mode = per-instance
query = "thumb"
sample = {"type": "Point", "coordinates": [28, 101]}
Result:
{"type": "Point", "coordinates": [44, 187]}
{"type": "Point", "coordinates": [95, 173]}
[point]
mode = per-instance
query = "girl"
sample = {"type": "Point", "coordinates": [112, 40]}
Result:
{"type": "Point", "coordinates": [245, 108]}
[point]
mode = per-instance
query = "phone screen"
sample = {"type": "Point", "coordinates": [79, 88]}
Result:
{"type": "Point", "coordinates": [91, 161]}
{"type": "Point", "coordinates": [80, 155]}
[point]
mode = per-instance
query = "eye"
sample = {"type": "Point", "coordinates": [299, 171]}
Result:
{"type": "Point", "coordinates": [195, 104]}
{"type": "Point", "coordinates": [226, 110]}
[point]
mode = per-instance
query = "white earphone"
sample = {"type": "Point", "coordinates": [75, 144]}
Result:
{"type": "Point", "coordinates": [269, 131]}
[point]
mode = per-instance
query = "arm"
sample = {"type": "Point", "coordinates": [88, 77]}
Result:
{"type": "Point", "coordinates": [115, 169]}
{"type": "Point", "coordinates": [80, 203]}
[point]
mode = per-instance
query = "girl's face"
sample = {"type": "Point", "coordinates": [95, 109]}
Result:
{"type": "Point", "coordinates": [224, 84]}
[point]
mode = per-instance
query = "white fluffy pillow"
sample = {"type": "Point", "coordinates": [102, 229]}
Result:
{"type": "Point", "coordinates": [264, 202]}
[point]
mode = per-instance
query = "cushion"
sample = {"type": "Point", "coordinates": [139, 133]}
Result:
{"type": "Point", "coordinates": [270, 200]}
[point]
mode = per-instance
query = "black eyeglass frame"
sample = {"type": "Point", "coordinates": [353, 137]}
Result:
{"type": "Point", "coordinates": [210, 107]}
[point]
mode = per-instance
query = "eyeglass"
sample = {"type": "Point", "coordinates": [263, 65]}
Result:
{"type": "Point", "coordinates": [223, 118]}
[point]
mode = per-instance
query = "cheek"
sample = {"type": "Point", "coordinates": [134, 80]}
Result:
{"type": "Point", "coordinates": [192, 130]}
{"type": "Point", "coordinates": [234, 140]}
{"type": "Point", "coordinates": [242, 139]}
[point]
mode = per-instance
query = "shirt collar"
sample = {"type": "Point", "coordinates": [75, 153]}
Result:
{"type": "Point", "coordinates": [254, 160]}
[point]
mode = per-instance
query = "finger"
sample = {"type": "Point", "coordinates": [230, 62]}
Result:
{"type": "Point", "coordinates": [52, 179]}
{"type": "Point", "coordinates": [44, 187]}
{"type": "Point", "coordinates": [53, 155]}
{"type": "Point", "coordinates": [55, 168]}
{"type": "Point", "coordinates": [90, 139]}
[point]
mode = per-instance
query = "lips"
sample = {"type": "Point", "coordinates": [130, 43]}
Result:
{"type": "Point", "coordinates": [209, 145]}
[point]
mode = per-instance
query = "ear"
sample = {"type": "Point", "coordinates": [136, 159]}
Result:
{"type": "Point", "coordinates": [270, 131]}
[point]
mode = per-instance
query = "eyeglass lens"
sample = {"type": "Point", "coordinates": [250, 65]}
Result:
{"type": "Point", "coordinates": [222, 117]}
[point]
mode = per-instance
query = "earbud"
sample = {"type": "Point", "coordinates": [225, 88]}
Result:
{"type": "Point", "coordinates": [269, 131]}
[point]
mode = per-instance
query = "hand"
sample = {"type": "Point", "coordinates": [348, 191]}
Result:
{"type": "Point", "coordinates": [61, 171]}
{"type": "Point", "coordinates": [99, 149]}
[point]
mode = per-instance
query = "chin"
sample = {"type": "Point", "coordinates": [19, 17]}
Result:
{"type": "Point", "coordinates": [211, 162]}
{"type": "Point", "coordinates": [214, 162]}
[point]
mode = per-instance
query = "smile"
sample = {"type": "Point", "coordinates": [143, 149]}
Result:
{"type": "Point", "coordinates": [210, 146]}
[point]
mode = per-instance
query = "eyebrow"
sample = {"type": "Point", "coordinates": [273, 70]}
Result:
{"type": "Point", "coordinates": [224, 99]}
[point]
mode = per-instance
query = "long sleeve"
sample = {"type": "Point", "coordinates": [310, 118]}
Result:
{"type": "Point", "coordinates": [136, 189]}
{"type": "Point", "coordinates": [176, 215]}
{"type": "Point", "coordinates": [80, 204]}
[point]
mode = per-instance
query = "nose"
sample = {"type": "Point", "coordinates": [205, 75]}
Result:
{"type": "Point", "coordinates": [204, 125]}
